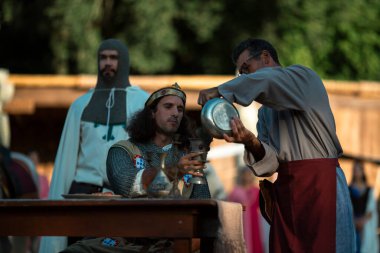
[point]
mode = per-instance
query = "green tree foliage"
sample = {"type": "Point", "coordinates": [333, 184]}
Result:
{"type": "Point", "coordinates": [164, 34]}
{"type": "Point", "coordinates": [339, 39]}
{"type": "Point", "coordinates": [152, 37]}
{"type": "Point", "coordinates": [75, 35]}
{"type": "Point", "coordinates": [356, 36]}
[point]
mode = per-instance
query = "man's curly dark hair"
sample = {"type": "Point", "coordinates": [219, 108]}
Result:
{"type": "Point", "coordinates": [142, 128]}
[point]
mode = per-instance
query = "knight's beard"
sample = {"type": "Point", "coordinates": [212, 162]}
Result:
{"type": "Point", "coordinates": [108, 72]}
{"type": "Point", "coordinates": [107, 76]}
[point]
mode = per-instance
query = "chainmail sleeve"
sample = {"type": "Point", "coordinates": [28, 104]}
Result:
{"type": "Point", "coordinates": [121, 171]}
{"type": "Point", "coordinates": [201, 191]}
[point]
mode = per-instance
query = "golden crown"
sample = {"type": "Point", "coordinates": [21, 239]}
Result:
{"type": "Point", "coordinates": [174, 90]}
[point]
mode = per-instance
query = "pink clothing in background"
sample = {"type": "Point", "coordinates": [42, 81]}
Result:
{"type": "Point", "coordinates": [251, 220]}
{"type": "Point", "coordinates": [44, 186]}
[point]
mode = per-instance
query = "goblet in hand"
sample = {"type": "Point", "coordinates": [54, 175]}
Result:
{"type": "Point", "coordinates": [197, 146]}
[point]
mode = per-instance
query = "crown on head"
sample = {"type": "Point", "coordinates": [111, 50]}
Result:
{"type": "Point", "coordinates": [174, 90]}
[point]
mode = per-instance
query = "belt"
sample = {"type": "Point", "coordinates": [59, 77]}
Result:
{"type": "Point", "coordinates": [77, 187]}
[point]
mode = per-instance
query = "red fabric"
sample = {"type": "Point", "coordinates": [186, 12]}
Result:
{"type": "Point", "coordinates": [44, 186]}
{"type": "Point", "coordinates": [304, 218]}
{"type": "Point", "coordinates": [251, 220]}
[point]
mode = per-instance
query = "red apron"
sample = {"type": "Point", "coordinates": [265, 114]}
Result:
{"type": "Point", "coordinates": [304, 217]}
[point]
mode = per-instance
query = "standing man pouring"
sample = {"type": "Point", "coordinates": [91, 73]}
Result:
{"type": "Point", "coordinates": [296, 138]}
{"type": "Point", "coordinates": [95, 121]}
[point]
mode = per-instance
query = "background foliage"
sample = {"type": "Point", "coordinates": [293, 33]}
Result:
{"type": "Point", "coordinates": [339, 39]}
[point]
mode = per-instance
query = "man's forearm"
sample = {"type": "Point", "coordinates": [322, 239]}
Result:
{"type": "Point", "coordinates": [255, 147]}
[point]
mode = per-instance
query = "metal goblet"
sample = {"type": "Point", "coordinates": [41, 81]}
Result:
{"type": "Point", "coordinates": [197, 145]}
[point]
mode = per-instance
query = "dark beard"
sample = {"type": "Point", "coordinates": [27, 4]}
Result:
{"type": "Point", "coordinates": [108, 79]}
{"type": "Point", "coordinates": [108, 72]}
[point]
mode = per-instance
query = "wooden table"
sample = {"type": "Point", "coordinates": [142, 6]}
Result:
{"type": "Point", "coordinates": [180, 220]}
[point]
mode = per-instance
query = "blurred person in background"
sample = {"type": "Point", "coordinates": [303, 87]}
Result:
{"type": "Point", "coordinates": [7, 91]}
{"type": "Point", "coordinates": [246, 192]}
{"type": "Point", "coordinates": [95, 121]}
{"type": "Point", "coordinates": [365, 210]}
{"type": "Point", "coordinates": [215, 184]}
{"type": "Point", "coordinates": [43, 181]}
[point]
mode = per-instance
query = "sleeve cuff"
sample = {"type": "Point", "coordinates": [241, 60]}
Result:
{"type": "Point", "coordinates": [266, 166]}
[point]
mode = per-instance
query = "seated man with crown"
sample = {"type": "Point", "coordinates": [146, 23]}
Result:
{"type": "Point", "coordinates": [150, 164]}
